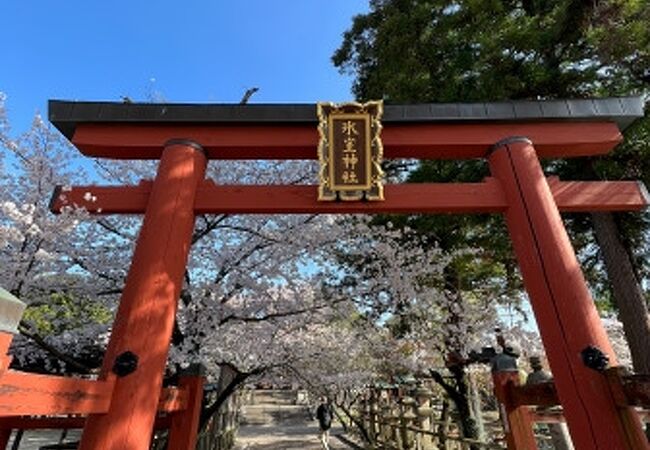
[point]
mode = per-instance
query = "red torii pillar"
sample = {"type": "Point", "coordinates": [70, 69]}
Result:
{"type": "Point", "coordinates": [145, 318]}
{"type": "Point", "coordinates": [567, 317]}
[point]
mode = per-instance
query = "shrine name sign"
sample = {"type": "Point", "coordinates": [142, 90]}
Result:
{"type": "Point", "coordinates": [350, 151]}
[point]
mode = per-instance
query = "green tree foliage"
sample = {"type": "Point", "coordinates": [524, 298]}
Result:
{"type": "Point", "coordinates": [65, 313]}
{"type": "Point", "coordinates": [476, 50]}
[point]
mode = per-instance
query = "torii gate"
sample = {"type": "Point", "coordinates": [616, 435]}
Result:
{"type": "Point", "coordinates": [512, 136]}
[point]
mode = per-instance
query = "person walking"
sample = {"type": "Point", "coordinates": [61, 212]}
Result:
{"type": "Point", "coordinates": [324, 416]}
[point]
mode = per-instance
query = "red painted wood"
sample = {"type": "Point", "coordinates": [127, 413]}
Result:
{"type": "Point", "coordinates": [239, 199]}
{"type": "Point", "coordinates": [565, 312]}
{"type": "Point", "coordinates": [31, 394]}
{"type": "Point", "coordinates": [589, 196]}
{"type": "Point", "coordinates": [570, 196]}
{"type": "Point", "coordinates": [518, 424]}
{"type": "Point", "coordinates": [185, 424]}
{"type": "Point", "coordinates": [422, 141]}
{"type": "Point", "coordinates": [25, 393]}
{"type": "Point", "coordinates": [147, 308]}
{"type": "Point", "coordinates": [538, 394]}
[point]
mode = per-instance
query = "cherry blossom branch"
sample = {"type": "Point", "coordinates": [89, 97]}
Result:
{"type": "Point", "coordinates": [109, 227]}
{"type": "Point", "coordinates": [38, 340]}
{"type": "Point", "coordinates": [78, 261]}
{"type": "Point", "coordinates": [210, 225]}
{"type": "Point", "coordinates": [269, 316]}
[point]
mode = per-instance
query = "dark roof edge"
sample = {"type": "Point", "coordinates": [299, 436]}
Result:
{"type": "Point", "coordinates": [65, 115]}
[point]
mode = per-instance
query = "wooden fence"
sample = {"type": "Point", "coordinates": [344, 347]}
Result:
{"type": "Point", "coordinates": [221, 431]}
{"type": "Point", "coordinates": [524, 416]}
{"type": "Point", "coordinates": [408, 422]}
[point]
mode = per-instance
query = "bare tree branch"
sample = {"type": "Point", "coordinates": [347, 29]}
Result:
{"type": "Point", "coordinates": [295, 312]}
{"type": "Point", "coordinates": [39, 341]}
{"type": "Point", "coordinates": [248, 94]}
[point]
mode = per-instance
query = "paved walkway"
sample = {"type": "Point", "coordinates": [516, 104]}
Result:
{"type": "Point", "coordinates": [285, 437]}
{"type": "Point", "coordinates": [273, 422]}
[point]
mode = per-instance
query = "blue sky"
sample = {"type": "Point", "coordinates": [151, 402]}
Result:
{"type": "Point", "coordinates": [191, 51]}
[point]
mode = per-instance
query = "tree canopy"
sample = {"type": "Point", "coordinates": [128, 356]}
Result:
{"type": "Point", "coordinates": [471, 50]}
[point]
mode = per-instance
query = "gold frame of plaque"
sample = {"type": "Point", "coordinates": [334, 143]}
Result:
{"type": "Point", "coordinates": [350, 151]}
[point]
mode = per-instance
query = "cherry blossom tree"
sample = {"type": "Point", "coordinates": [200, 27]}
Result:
{"type": "Point", "coordinates": [401, 280]}
{"type": "Point", "coordinates": [35, 245]}
{"type": "Point", "coordinates": [252, 283]}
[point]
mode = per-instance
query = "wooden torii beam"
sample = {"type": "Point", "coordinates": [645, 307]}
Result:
{"type": "Point", "coordinates": [412, 140]}
{"type": "Point", "coordinates": [184, 137]}
{"type": "Point", "coordinates": [455, 198]}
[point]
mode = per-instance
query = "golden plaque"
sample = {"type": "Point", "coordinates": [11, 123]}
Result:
{"type": "Point", "coordinates": [350, 151]}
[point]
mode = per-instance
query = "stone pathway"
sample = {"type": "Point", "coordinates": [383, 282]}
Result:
{"type": "Point", "coordinates": [285, 437]}
{"type": "Point", "coordinates": [274, 422]}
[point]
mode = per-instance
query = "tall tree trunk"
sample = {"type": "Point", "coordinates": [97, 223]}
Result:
{"type": "Point", "coordinates": [457, 393]}
{"type": "Point", "coordinates": [230, 379]}
{"type": "Point", "coordinates": [627, 294]}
